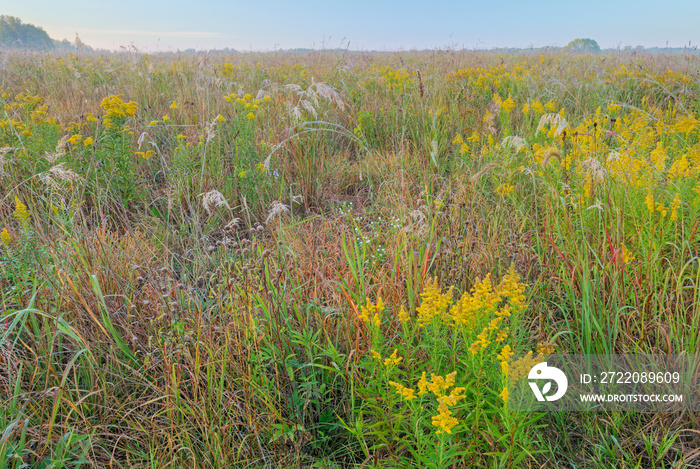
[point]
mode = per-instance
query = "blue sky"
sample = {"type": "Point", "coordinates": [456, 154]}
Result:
{"type": "Point", "coordinates": [378, 24]}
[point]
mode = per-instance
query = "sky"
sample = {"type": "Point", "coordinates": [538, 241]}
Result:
{"type": "Point", "coordinates": [267, 25]}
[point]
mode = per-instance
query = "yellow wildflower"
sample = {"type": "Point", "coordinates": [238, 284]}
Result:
{"type": "Point", "coordinates": [75, 139]}
{"type": "Point", "coordinates": [5, 237]}
{"type": "Point", "coordinates": [505, 354]}
{"type": "Point", "coordinates": [649, 201]}
{"type": "Point", "coordinates": [445, 422]}
{"type": "Point", "coordinates": [88, 141]}
{"type": "Point", "coordinates": [508, 105]}
{"type": "Point", "coordinates": [114, 106]}
{"type": "Point", "coordinates": [675, 205]}
{"type": "Point", "coordinates": [173, 105]}
{"type": "Point", "coordinates": [422, 385]}
{"type": "Point", "coordinates": [21, 212]}
{"type": "Point", "coordinates": [145, 155]}
{"type": "Point", "coordinates": [394, 359]}
{"type": "Point", "coordinates": [433, 302]}
{"type": "Point", "coordinates": [406, 393]}
{"type": "Point", "coordinates": [502, 334]}
{"type": "Point", "coordinates": [505, 189]}
{"type": "Point", "coordinates": [537, 107]}
{"type": "Point", "coordinates": [627, 255]}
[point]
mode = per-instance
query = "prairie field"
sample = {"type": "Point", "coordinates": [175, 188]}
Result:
{"type": "Point", "coordinates": [327, 259]}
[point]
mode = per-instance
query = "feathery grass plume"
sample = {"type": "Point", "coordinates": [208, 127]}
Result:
{"type": "Point", "coordinates": [613, 156]}
{"type": "Point", "coordinates": [62, 144]}
{"type": "Point", "coordinates": [63, 174]}
{"type": "Point", "coordinates": [329, 94]}
{"type": "Point", "coordinates": [4, 151]}
{"type": "Point", "coordinates": [51, 157]}
{"type": "Point", "coordinates": [595, 168]}
{"type": "Point", "coordinates": [549, 154]}
{"type": "Point", "coordinates": [308, 99]}
{"type": "Point", "coordinates": [490, 117]}
{"type": "Point", "coordinates": [276, 209]}
{"type": "Point", "coordinates": [60, 151]}
{"type": "Point", "coordinates": [554, 120]}
{"type": "Point", "coordinates": [475, 177]}
{"type": "Point", "coordinates": [213, 199]}
{"type": "Point", "coordinates": [513, 141]}
{"type": "Point", "coordinates": [51, 178]}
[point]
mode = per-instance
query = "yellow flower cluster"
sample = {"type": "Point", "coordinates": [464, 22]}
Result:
{"type": "Point", "coordinates": [372, 313]}
{"type": "Point", "coordinates": [654, 205]}
{"type": "Point", "coordinates": [533, 106]}
{"type": "Point", "coordinates": [247, 103]}
{"type": "Point", "coordinates": [145, 155]}
{"type": "Point", "coordinates": [627, 255]}
{"type": "Point", "coordinates": [5, 237]}
{"type": "Point", "coordinates": [505, 189]}
{"type": "Point", "coordinates": [481, 296]}
{"type": "Point", "coordinates": [394, 359]}
{"type": "Point", "coordinates": [511, 288]}
{"type": "Point", "coordinates": [519, 368]}
{"type": "Point", "coordinates": [433, 302]}
{"type": "Point", "coordinates": [504, 357]}
{"type": "Point", "coordinates": [508, 105]}
{"type": "Point", "coordinates": [114, 106]}
{"type": "Point", "coordinates": [75, 139]}
{"type": "Point", "coordinates": [439, 386]}
{"type": "Point", "coordinates": [21, 213]}
{"type": "Point", "coordinates": [403, 315]}
{"type": "Point", "coordinates": [392, 79]}
{"type": "Point", "coordinates": [407, 393]}
{"type": "Point", "coordinates": [482, 341]}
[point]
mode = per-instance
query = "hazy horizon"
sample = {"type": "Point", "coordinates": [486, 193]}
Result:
{"type": "Point", "coordinates": [215, 24]}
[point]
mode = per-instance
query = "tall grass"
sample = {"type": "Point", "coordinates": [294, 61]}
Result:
{"type": "Point", "coordinates": [250, 266]}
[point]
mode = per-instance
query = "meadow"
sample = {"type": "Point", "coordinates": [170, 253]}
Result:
{"type": "Point", "coordinates": [327, 259]}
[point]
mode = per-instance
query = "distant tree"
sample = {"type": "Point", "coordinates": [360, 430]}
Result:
{"type": "Point", "coordinates": [14, 33]}
{"type": "Point", "coordinates": [582, 45]}
{"type": "Point", "coordinates": [78, 43]}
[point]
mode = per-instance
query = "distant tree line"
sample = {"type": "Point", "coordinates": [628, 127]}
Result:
{"type": "Point", "coordinates": [15, 34]}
